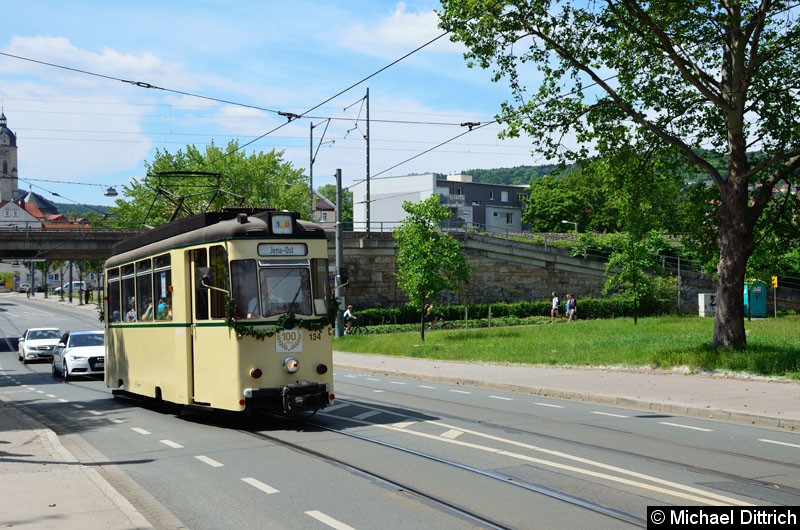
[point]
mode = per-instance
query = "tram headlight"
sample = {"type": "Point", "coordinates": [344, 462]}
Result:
{"type": "Point", "coordinates": [291, 365]}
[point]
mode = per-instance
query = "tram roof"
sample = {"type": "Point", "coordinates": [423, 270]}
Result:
{"type": "Point", "coordinates": [229, 223]}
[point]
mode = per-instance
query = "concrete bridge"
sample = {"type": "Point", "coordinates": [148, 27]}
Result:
{"type": "Point", "coordinates": [59, 244]}
{"type": "Point", "coordinates": [504, 270]}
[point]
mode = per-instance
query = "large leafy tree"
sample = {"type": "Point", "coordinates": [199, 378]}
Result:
{"type": "Point", "coordinates": [428, 260]}
{"type": "Point", "coordinates": [719, 75]}
{"type": "Point", "coordinates": [193, 181]}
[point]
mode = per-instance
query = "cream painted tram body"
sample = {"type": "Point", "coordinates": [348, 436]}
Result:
{"type": "Point", "coordinates": [226, 310]}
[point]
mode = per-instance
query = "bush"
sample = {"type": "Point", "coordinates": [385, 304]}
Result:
{"type": "Point", "coordinates": [661, 301]}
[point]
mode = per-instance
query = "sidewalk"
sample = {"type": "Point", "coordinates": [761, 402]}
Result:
{"type": "Point", "coordinates": [43, 485]}
{"type": "Point", "coordinates": [756, 401]}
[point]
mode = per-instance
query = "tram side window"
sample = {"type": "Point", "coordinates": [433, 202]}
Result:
{"type": "Point", "coordinates": [218, 257]}
{"type": "Point", "coordinates": [144, 289]}
{"type": "Point", "coordinates": [114, 305]}
{"type": "Point", "coordinates": [128, 294]}
{"type": "Point", "coordinates": [162, 284]}
{"type": "Point", "coordinates": [320, 285]}
{"type": "Point", "coordinates": [244, 288]}
{"type": "Point", "coordinates": [200, 259]}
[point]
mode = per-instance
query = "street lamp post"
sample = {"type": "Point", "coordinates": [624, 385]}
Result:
{"type": "Point", "coordinates": [575, 224]}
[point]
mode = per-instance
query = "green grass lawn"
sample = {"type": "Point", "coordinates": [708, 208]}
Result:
{"type": "Point", "coordinates": [773, 344]}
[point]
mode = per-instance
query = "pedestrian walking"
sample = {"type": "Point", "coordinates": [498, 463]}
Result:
{"type": "Point", "coordinates": [554, 309]}
{"type": "Point", "coordinates": [572, 308]}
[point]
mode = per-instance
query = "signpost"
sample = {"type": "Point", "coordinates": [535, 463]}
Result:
{"type": "Point", "coordinates": [775, 295]}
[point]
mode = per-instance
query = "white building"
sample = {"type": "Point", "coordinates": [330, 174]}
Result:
{"type": "Point", "coordinates": [489, 207]}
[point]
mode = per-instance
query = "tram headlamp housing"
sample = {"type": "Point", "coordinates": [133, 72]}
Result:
{"type": "Point", "coordinates": [291, 365]}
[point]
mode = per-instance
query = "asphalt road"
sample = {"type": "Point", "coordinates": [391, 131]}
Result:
{"type": "Point", "coordinates": [401, 453]}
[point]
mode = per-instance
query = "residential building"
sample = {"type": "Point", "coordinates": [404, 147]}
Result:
{"type": "Point", "coordinates": [484, 207]}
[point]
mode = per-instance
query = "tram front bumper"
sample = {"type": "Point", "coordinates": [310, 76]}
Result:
{"type": "Point", "coordinates": [290, 399]}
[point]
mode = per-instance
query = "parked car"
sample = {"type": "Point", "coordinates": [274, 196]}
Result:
{"type": "Point", "coordinates": [77, 287]}
{"type": "Point", "coordinates": [23, 287]}
{"type": "Point", "coordinates": [79, 353]}
{"type": "Point", "coordinates": [36, 344]}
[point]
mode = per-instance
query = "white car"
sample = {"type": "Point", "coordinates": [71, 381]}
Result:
{"type": "Point", "coordinates": [79, 353]}
{"type": "Point", "coordinates": [77, 287]}
{"type": "Point", "coordinates": [36, 344]}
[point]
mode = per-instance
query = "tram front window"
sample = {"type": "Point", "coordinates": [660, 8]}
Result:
{"type": "Point", "coordinates": [284, 291]}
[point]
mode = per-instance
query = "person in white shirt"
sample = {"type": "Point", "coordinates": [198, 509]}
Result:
{"type": "Point", "coordinates": [349, 317]}
{"type": "Point", "coordinates": [554, 308]}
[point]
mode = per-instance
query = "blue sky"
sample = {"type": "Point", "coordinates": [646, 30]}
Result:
{"type": "Point", "coordinates": [79, 128]}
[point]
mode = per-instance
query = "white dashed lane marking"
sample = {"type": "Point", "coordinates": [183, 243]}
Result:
{"type": "Point", "coordinates": [328, 520]}
{"type": "Point", "coordinates": [140, 430]}
{"type": "Point", "coordinates": [685, 426]}
{"type": "Point", "coordinates": [778, 443]}
{"type": "Point", "coordinates": [210, 461]}
{"type": "Point", "coordinates": [260, 485]}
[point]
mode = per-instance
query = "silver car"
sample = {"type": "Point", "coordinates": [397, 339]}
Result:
{"type": "Point", "coordinates": [79, 353]}
{"type": "Point", "coordinates": [36, 344]}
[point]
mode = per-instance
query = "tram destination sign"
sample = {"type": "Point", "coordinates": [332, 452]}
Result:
{"type": "Point", "coordinates": [282, 249]}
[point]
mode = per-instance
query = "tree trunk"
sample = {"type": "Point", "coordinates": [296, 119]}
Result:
{"type": "Point", "coordinates": [736, 244]}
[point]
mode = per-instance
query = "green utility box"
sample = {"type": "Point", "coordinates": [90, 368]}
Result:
{"type": "Point", "coordinates": [755, 298]}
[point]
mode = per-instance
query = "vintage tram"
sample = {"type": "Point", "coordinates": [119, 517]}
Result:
{"type": "Point", "coordinates": [224, 310]}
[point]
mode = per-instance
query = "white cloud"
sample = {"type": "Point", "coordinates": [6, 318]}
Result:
{"type": "Point", "coordinates": [400, 32]}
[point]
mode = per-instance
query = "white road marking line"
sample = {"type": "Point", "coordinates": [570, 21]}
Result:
{"type": "Point", "coordinates": [426, 386]}
{"type": "Point", "coordinates": [682, 491]}
{"type": "Point", "coordinates": [550, 405]}
{"type": "Point", "coordinates": [62, 400]}
{"type": "Point", "coordinates": [336, 407]}
{"type": "Point", "coordinates": [372, 379]}
{"type": "Point", "coordinates": [31, 388]}
{"type": "Point", "coordinates": [403, 424]}
{"type": "Point", "coordinates": [140, 430]}
{"type": "Point", "coordinates": [95, 412]}
{"type": "Point", "coordinates": [501, 397]}
{"type": "Point", "coordinates": [378, 391]}
{"type": "Point", "coordinates": [260, 485]}
{"type": "Point", "coordinates": [452, 434]}
{"type": "Point", "coordinates": [367, 414]}
{"type": "Point", "coordinates": [777, 442]}
{"type": "Point", "coordinates": [692, 491]}
{"type": "Point", "coordinates": [78, 406]}
{"type": "Point", "coordinates": [51, 395]}
{"type": "Point", "coordinates": [685, 426]}
{"type": "Point", "coordinates": [40, 391]}
{"type": "Point", "coordinates": [609, 414]}
{"type": "Point", "coordinates": [460, 392]}
{"type": "Point", "coordinates": [115, 420]}
{"type": "Point", "coordinates": [172, 444]}
{"type": "Point", "coordinates": [328, 520]}
{"type": "Point", "coordinates": [397, 383]}
{"type": "Point", "coordinates": [210, 461]}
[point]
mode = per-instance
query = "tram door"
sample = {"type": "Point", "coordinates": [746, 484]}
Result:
{"type": "Point", "coordinates": [213, 371]}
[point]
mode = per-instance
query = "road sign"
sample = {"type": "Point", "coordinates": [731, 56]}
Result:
{"type": "Point", "coordinates": [774, 282]}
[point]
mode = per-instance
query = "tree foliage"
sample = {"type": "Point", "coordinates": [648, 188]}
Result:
{"type": "Point", "coordinates": [428, 260]}
{"type": "Point", "coordinates": [222, 178]}
{"type": "Point", "coordinates": [695, 76]}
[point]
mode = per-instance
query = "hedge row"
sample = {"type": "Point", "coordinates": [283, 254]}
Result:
{"type": "Point", "coordinates": [588, 308]}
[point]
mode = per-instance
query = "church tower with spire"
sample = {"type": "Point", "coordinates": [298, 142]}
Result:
{"type": "Point", "coordinates": [8, 161]}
